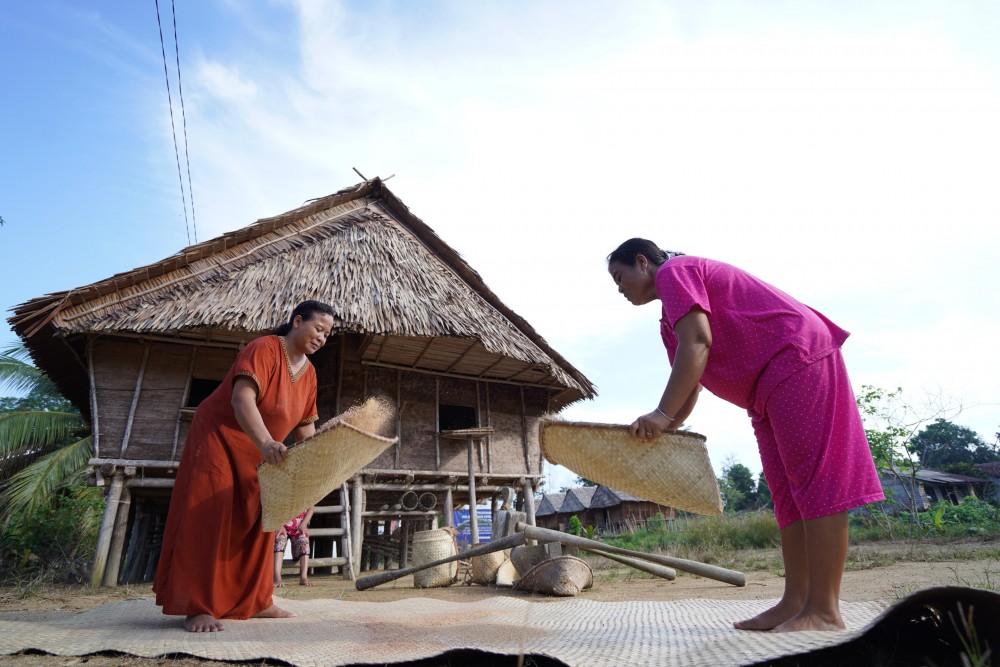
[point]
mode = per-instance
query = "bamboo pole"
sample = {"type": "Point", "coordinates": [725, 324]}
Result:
{"type": "Point", "coordinates": [184, 400]}
{"type": "Point", "coordinates": [95, 431]}
{"type": "Point", "coordinates": [399, 417]}
{"type": "Point", "coordinates": [473, 519]}
{"type": "Point", "coordinates": [346, 552]}
{"type": "Point", "coordinates": [449, 508]}
{"type": "Point", "coordinates": [437, 424]}
{"type": "Point", "coordinates": [117, 539]}
{"type": "Point", "coordinates": [135, 401]}
{"type": "Point", "coordinates": [357, 524]}
{"type": "Point", "coordinates": [107, 528]}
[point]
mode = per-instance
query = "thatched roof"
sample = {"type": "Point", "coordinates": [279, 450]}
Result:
{"type": "Point", "coordinates": [578, 499]}
{"type": "Point", "coordinates": [386, 273]}
{"type": "Point", "coordinates": [605, 496]}
{"type": "Point", "coordinates": [551, 503]}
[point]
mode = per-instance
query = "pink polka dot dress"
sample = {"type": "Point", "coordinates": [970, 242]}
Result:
{"type": "Point", "coordinates": [780, 360]}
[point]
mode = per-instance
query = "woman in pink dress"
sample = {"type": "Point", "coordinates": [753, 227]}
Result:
{"type": "Point", "coordinates": [753, 345]}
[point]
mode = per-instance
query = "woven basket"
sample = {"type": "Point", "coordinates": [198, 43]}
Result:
{"type": "Point", "coordinates": [429, 546]}
{"type": "Point", "coordinates": [564, 576]}
{"type": "Point", "coordinates": [672, 470]}
{"type": "Point", "coordinates": [485, 567]}
{"type": "Point", "coordinates": [318, 465]}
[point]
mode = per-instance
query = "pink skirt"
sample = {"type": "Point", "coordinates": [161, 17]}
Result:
{"type": "Point", "coordinates": [813, 446]}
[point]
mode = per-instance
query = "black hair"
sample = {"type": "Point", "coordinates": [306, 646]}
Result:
{"type": "Point", "coordinates": [306, 309]}
{"type": "Point", "coordinates": [628, 251]}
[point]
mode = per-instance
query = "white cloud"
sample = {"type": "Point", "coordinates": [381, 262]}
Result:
{"type": "Point", "coordinates": [848, 159]}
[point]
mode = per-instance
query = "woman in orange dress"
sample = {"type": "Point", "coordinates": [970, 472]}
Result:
{"type": "Point", "coordinates": [215, 561]}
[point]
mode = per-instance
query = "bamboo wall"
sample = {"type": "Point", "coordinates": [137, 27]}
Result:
{"type": "Point", "coordinates": [139, 388]}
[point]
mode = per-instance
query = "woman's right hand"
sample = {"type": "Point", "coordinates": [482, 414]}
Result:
{"type": "Point", "coordinates": [272, 451]}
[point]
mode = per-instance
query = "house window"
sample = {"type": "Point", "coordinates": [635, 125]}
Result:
{"type": "Point", "coordinates": [201, 388]}
{"type": "Point", "coordinates": [455, 417]}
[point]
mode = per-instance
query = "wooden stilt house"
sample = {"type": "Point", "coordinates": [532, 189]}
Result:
{"type": "Point", "coordinates": [415, 323]}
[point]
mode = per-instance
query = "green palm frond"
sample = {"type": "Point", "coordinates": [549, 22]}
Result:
{"type": "Point", "coordinates": [25, 430]}
{"type": "Point", "coordinates": [32, 487]}
{"type": "Point", "coordinates": [18, 374]}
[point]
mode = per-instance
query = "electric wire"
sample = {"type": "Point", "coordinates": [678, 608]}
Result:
{"type": "Point", "coordinates": [184, 123]}
{"type": "Point", "coordinates": [173, 127]}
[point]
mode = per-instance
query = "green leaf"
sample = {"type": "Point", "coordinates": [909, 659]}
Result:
{"type": "Point", "coordinates": [32, 487]}
{"type": "Point", "coordinates": [26, 430]}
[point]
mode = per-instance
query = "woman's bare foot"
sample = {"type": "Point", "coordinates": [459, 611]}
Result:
{"type": "Point", "coordinates": [803, 621]}
{"type": "Point", "coordinates": [305, 582]}
{"type": "Point", "coordinates": [770, 619]}
{"type": "Point", "coordinates": [202, 623]}
{"type": "Point", "coordinates": [274, 611]}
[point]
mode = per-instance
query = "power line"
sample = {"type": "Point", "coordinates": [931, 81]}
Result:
{"type": "Point", "coordinates": [173, 127]}
{"type": "Point", "coordinates": [180, 92]}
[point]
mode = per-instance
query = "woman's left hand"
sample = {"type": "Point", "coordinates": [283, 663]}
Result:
{"type": "Point", "coordinates": [649, 426]}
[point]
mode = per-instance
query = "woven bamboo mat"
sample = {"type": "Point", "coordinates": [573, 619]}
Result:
{"type": "Point", "coordinates": [335, 632]}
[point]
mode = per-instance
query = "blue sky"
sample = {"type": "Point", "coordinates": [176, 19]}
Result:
{"type": "Point", "coordinates": [845, 151]}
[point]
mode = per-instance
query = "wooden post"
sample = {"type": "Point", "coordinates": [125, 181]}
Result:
{"type": "Point", "coordinates": [135, 401]}
{"type": "Point", "coordinates": [524, 434]}
{"type": "Point", "coordinates": [107, 528]}
{"type": "Point", "coordinates": [184, 399]}
{"type": "Point", "coordinates": [399, 416]}
{"type": "Point", "coordinates": [357, 525]}
{"type": "Point", "coordinates": [489, 438]}
{"type": "Point", "coordinates": [118, 538]}
{"type": "Point", "coordinates": [95, 431]}
{"type": "Point", "coordinates": [449, 509]}
{"type": "Point", "coordinates": [473, 519]}
{"type": "Point", "coordinates": [529, 502]}
{"type": "Point", "coordinates": [437, 424]}
{"type": "Point", "coordinates": [346, 551]}
{"type": "Point", "coordinates": [404, 543]}
{"type": "Point", "coordinates": [341, 339]}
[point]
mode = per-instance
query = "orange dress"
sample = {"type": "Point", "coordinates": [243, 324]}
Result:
{"type": "Point", "coordinates": [215, 558]}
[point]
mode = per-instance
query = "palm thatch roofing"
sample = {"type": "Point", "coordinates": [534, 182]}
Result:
{"type": "Point", "coordinates": [578, 499]}
{"type": "Point", "coordinates": [605, 496]}
{"type": "Point", "coordinates": [386, 273]}
{"type": "Point", "coordinates": [551, 503]}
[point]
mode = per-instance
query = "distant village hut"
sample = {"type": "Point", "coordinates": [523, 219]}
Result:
{"type": "Point", "coordinates": [607, 510]}
{"type": "Point", "coordinates": [414, 322]}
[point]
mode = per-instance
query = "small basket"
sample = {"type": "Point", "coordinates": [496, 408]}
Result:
{"type": "Point", "coordinates": [672, 470]}
{"type": "Point", "coordinates": [429, 546]}
{"type": "Point", "coordinates": [485, 567]}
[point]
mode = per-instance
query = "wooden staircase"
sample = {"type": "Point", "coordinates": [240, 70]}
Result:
{"type": "Point", "coordinates": [329, 534]}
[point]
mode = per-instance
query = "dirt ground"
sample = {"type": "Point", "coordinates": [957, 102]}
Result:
{"type": "Point", "coordinates": [865, 580]}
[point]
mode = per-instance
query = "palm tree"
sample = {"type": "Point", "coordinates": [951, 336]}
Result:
{"type": "Point", "coordinates": [44, 442]}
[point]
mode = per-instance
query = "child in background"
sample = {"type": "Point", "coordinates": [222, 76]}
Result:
{"type": "Point", "coordinates": [295, 531]}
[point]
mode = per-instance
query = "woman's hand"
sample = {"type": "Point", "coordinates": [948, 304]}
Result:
{"type": "Point", "coordinates": [650, 425]}
{"type": "Point", "coordinates": [272, 451]}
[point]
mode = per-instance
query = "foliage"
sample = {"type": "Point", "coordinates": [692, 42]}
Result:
{"type": "Point", "coordinates": [44, 442]}
{"type": "Point", "coordinates": [746, 530]}
{"type": "Point", "coordinates": [583, 481]}
{"type": "Point", "coordinates": [575, 526]}
{"type": "Point", "coordinates": [943, 445]}
{"type": "Point", "coordinates": [56, 540]}
{"type": "Point", "coordinates": [739, 491]}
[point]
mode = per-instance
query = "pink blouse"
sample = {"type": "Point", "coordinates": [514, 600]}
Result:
{"type": "Point", "coordinates": [755, 328]}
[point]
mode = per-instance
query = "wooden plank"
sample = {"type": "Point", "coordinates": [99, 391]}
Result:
{"type": "Point", "coordinates": [135, 401]}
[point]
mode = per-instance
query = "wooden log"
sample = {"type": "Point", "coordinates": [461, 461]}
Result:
{"type": "Point", "coordinates": [694, 567]}
{"type": "Point", "coordinates": [509, 542]}
{"type": "Point", "coordinates": [650, 568]}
